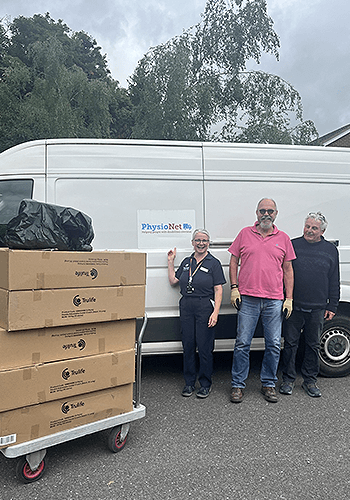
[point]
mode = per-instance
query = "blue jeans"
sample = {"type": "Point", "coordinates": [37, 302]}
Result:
{"type": "Point", "coordinates": [270, 311]}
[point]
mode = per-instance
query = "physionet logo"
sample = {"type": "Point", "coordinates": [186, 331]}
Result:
{"type": "Point", "coordinates": [78, 300]}
{"type": "Point", "coordinates": [166, 227]}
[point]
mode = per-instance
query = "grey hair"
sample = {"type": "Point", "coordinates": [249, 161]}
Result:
{"type": "Point", "coordinates": [263, 199]}
{"type": "Point", "coordinates": [318, 216]}
{"type": "Point", "coordinates": [196, 231]}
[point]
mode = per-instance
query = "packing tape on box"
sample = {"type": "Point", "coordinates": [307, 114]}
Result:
{"type": "Point", "coordinates": [40, 280]}
{"type": "Point", "coordinates": [37, 295]}
{"type": "Point", "coordinates": [102, 345]}
{"type": "Point", "coordinates": [42, 397]}
{"type": "Point", "coordinates": [27, 373]}
{"type": "Point", "coordinates": [35, 358]}
{"type": "Point", "coordinates": [34, 431]}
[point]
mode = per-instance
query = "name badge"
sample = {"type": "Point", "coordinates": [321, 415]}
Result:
{"type": "Point", "coordinates": [205, 269]}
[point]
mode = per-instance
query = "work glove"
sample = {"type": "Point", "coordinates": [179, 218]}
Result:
{"type": "Point", "coordinates": [235, 298]}
{"type": "Point", "coordinates": [287, 307]}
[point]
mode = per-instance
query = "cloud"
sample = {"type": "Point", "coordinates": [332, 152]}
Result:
{"type": "Point", "coordinates": [314, 38]}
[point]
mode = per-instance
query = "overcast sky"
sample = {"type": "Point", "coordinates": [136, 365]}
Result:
{"type": "Point", "coordinates": [314, 37]}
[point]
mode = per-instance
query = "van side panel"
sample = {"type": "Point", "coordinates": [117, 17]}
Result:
{"type": "Point", "coordinates": [116, 185]}
{"type": "Point", "coordinates": [300, 180]}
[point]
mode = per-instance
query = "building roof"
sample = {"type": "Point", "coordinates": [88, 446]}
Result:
{"type": "Point", "coordinates": [339, 137]}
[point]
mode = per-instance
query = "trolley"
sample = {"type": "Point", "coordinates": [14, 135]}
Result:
{"type": "Point", "coordinates": [31, 455]}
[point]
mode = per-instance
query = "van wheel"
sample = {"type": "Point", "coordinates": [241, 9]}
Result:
{"type": "Point", "coordinates": [335, 347]}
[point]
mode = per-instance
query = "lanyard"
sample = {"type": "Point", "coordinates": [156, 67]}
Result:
{"type": "Point", "coordinates": [190, 275]}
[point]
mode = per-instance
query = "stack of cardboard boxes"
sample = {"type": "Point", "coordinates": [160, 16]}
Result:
{"type": "Point", "coordinates": [67, 338]}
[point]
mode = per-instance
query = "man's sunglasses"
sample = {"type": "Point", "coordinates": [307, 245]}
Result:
{"type": "Point", "coordinates": [270, 211]}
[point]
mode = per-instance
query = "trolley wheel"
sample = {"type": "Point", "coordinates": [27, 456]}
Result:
{"type": "Point", "coordinates": [115, 444]}
{"type": "Point", "coordinates": [25, 474]}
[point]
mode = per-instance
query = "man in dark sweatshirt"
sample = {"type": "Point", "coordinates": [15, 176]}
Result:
{"type": "Point", "coordinates": [315, 299]}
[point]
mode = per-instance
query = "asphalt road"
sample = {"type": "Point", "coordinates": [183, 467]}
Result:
{"type": "Point", "coordinates": [186, 448]}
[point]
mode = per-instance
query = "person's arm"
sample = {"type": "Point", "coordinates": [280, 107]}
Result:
{"type": "Point", "coordinates": [235, 295]}
{"type": "Point", "coordinates": [288, 278]}
{"type": "Point", "coordinates": [233, 270]}
{"type": "Point", "coordinates": [213, 319]}
{"type": "Point", "coordinates": [334, 291]}
{"type": "Point", "coordinates": [171, 268]}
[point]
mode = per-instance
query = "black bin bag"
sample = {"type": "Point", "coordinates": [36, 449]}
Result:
{"type": "Point", "coordinates": [42, 225]}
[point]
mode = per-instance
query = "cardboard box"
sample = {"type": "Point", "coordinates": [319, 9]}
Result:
{"type": "Point", "coordinates": [29, 309]}
{"type": "Point", "coordinates": [49, 381]}
{"type": "Point", "coordinates": [30, 347]}
{"type": "Point", "coordinates": [45, 269]}
{"type": "Point", "coordinates": [25, 424]}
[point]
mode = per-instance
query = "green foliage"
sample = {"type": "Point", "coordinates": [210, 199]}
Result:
{"type": "Point", "coordinates": [55, 83]}
{"type": "Point", "coordinates": [196, 86]}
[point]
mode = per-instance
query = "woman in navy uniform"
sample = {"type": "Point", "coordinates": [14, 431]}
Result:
{"type": "Point", "coordinates": [201, 278]}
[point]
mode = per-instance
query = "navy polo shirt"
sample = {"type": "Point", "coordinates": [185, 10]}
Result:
{"type": "Point", "coordinates": [208, 275]}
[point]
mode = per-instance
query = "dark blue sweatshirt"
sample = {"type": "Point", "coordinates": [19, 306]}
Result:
{"type": "Point", "coordinates": [316, 275]}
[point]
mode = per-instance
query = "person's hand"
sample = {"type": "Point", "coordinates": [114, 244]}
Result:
{"type": "Point", "coordinates": [235, 298]}
{"type": "Point", "coordinates": [328, 315]}
{"type": "Point", "coordinates": [213, 319]}
{"type": "Point", "coordinates": [171, 255]}
{"type": "Point", "coordinates": [287, 307]}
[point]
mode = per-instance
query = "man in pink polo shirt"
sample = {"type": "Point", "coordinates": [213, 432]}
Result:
{"type": "Point", "coordinates": [263, 284]}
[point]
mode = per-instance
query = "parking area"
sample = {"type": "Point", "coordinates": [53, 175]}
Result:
{"type": "Point", "coordinates": [208, 449]}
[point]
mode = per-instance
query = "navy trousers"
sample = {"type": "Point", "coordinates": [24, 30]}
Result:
{"type": "Point", "coordinates": [311, 324]}
{"type": "Point", "coordinates": [194, 317]}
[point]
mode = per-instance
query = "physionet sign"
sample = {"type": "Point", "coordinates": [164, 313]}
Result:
{"type": "Point", "coordinates": [165, 228]}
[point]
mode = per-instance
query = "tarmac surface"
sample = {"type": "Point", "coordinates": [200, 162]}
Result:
{"type": "Point", "coordinates": [187, 448]}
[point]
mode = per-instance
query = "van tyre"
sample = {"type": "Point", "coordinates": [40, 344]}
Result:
{"type": "Point", "coordinates": [335, 347]}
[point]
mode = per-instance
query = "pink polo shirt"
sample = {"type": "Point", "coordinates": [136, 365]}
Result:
{"type": "Point", "coordinates": [261, 260]}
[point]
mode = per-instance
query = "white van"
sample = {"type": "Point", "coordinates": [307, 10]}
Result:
{"type": "Point", "coordinates": [149, 196]}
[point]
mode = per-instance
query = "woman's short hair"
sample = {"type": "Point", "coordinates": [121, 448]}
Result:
{"type": "Point", "coordinates": [203, 231]}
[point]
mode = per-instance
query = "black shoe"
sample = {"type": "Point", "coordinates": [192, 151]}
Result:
{"type": "Point", "coordinates": [287, 388]}
{"type": "Point", "coordinates": [203, 392]}
{"type": "Point", "coordinates": [187, 391]}
{"type": "Point", "coordinates": [269, 394]}
{"type": "Point", "coordinates": [311, 389]}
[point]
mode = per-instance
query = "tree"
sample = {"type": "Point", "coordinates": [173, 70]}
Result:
{"type": "Point", "coordinates": [80, 49]}
{"type": "Point", "coordinates": [55, 83]}
{"type": "Point", "coordinates": [196, 86]}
